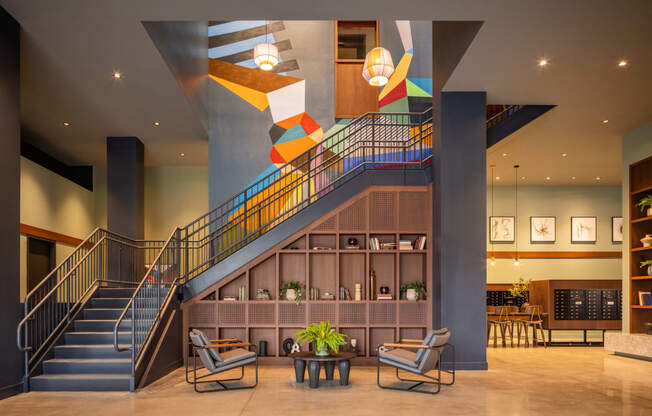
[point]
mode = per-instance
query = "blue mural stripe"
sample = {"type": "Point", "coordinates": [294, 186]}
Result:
{"type": "Point", "coordinates": [234, 26]}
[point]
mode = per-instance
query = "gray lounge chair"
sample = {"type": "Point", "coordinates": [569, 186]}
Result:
{"type": "Point", "coordinates": [418, 357]}
{"type": "Point", "coordinates": [216, 362]}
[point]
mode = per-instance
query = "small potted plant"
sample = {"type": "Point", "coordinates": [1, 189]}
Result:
{"type": "Point", "coordinates": [323, 337]}
{"type": "Point", "coordinates": [648, 264]}
{"type": "Point", "coordinates": [646, 204]}
{"type": "Point", "coordinates": [292, 291]}
{"type": "Point", "coordinates": [413, 290]}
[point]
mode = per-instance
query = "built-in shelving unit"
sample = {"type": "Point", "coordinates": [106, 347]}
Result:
{"type": "Point", "coordinates": [318, 257]}
{"type": "Point", "coordinates": [640, 224]}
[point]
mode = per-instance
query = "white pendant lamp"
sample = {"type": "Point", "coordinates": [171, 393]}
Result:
{"type": "Point", "coordinates": [378, 67]}
{"type": "Point", "coordinates": [266, 54]}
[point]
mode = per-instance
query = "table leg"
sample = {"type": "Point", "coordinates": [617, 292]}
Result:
{"type": "Point", "coordinates": [329, 368]}
{"type": "Point", "coordinates": [300, 370]}
{"type": "Point", "coordinates": [344, 366]}
{"type": "Point", "coordinates": [313, 373]}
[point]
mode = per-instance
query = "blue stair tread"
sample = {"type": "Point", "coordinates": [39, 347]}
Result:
{"type": "Point", "coordinates": [89, 376]}
{"type": "Point", "coordinates": [92, 346]}
{"type": "Point", "coordinates": [89, 360]}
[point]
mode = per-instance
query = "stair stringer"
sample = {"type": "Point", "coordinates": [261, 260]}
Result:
{"type": "Point", "coordinates": [304, 218]}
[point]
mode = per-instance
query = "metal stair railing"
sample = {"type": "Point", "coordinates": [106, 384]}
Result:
{"type": "Point", "coordinates": [371, 141]}
{"type": "Point", "coordinates": [101, 260]}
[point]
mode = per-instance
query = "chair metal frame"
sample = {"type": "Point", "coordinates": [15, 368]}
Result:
{"type": "Point", "coordinates": [429, 379]}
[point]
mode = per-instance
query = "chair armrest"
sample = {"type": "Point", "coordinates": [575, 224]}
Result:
{"type": "Point", "coordinates": [411, 340]}
{"type": "Point", "coordinates": [219, 341]}
{"type": "Point", "coordinates": [418, 346]}
{"type": "Point", "coordinates": [238, 344]}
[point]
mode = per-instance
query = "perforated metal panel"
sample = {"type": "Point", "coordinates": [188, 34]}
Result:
{"type": "Point", "coordinates": [322, 312]}
{"type": "Point", "coordinates": [353, 314]}
{"type": "Point", "coordinates": [210, 332]}
{"type": "Point", "coordinates": [261, 313]}
{"type": "Point", "coordinates": [382, 211]}
{"type": "Point", "coordinates": [382, 313]}
{"type": "Point", "coordinates": [231, 313]}
{"type": "Point", "coordinates": [355, 216]}
{"type": "Point", "coordinates": [412, 313]}
{"type": "Point", "coordinates": [202, 313]}
{"type": "Point", "coordinates": [413, 210]}
{"type": "Point", "coordinates": [291, 313]}
{"type": "Point", "coordinates": [328, 225]}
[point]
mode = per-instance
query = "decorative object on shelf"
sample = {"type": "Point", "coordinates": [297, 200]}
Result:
{"type": "Point", "coordinates": [262, 294]}
{"type": "Point", "coordinates": [645, 204]}
{"type": "Point", "coordinates": [648, 327]}
{"type": "Point", "coordinates": [358, 291]}
{"type": "Point", "coordinates": [501, 229]}
{"type": "Point", "coordinates": [616, 229]}
{"type": "Point", "coordinates": [648, 264]}
{"type": "Point", "coordinates": [352, 244]}
{"type": "Point", "coordinates": [327, 296]}
{"type": "Point", "coordinates": [543, 229]}
{"type": "Point", "coordinates": [520, 288]}
{"type": "Point", "coordinates": [354, 345]}
{"type": "Point", "coordinates": [292, 291]}
{"type": "Point", "coordinates": [644, 298]}
{"type": "Point", "coordinates": [647, 240]}
{"type": "Point", "coordinates": [413, 290]}
{"type": "Point", "coordinates": [295, 348]}
{"type": "Point", "coordinates": [266, 54]}
{"type": "Point", "coordinates": [262, 348]}
{"type": "Point", "coordinates": [372, 285]}
{"type": "Point", "coordinates": [584, 230]}
{"type": "Point", "coordinates": [323, 337]}
{"type": "Point", "coordinates": [384, 290]}
{"type": "Point", "coordinates": [378, 67]}
{"type": "Point", "coordinates": [287, 345]}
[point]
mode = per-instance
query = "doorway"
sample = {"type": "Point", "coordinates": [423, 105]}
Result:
{"type": "Point", "coordinates": [41, 259]}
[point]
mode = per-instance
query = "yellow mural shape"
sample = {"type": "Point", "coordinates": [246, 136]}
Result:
{"type": "Point", "coordinates": [399, 75]}
{"type": "Point", "coordinates": [290, 150]}
{"type": "Point", "coordinates": [256, 98]}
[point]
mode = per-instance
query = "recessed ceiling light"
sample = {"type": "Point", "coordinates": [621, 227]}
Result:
{"type": "Point", "coordinates": [523, 177]}
{"type": "Point", "coordinates": [547, 178]}
{"type": "Point", "coordinates": [117, 75]}
{"type": "Point", "coordinates": [597, 178]}
{"type": "Point", "coordinates": [182, 154]}
{"type": "Point", "coordinates": [504, 154]}
{"type": "Point", "coordinates": [156, 123]}
{"type": "Point", "coordinates": [573, 177]}
{"type": "Point", "coordinates": [564, 154]}
{"type": "Point", "coordinates": [543, 62]}
{"type": "Point", "coordinates": [497, 178]}
{"type": "Point", "coordinates": [66, 124]}
{"type": "Point", "coordinates": [605, 121]}
{"type": "Point", "coordinates": [622, 63]}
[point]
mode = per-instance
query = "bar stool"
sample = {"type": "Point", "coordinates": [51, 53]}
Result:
{"type": "Point", "coordinates": [504, 323]}
{"type": "Point", "coordinates": [535, 322]}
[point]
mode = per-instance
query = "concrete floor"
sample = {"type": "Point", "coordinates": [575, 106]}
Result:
{"type": "Point", "coordinates": [520, 381]}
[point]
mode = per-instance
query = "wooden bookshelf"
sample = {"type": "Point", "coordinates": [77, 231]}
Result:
{"type": "Point", "coordinates": [388, 213]}
{"type": "Point", "coordinates": [640, 224]}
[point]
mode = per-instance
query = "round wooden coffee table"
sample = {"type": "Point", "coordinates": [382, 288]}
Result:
{"type": "Point", "coordinates": [314, 363]}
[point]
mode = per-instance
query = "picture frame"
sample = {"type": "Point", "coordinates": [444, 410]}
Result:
{"type": "Point", "coordinates": [584, 230]}
{"type": "Point", "coordinates": [502, 229]}
{"type": "Point", "coordinates": [616, 230]}
{"type": "Point", "coordinates": [543, 230]}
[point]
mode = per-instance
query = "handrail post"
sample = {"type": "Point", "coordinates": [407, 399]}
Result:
{"type": "Point", "coordinates": [373, 141]}
{"type": "Point", "coordinates": [420, 141]}
{"type": "Point", "coordinates": [132, 381]}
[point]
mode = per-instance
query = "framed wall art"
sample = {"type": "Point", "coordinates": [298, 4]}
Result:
{"type": "Point", "coordinates": [616, 229]}
{"type": "Point", "coordinates": [501, 229]}
{"type": "Point", "coordinates": [543, 229]}
{"type": "Point", "coordinates": [584, 230]}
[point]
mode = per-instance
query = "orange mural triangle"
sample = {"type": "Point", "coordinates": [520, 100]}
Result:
{"type": "Point", "coordinates": [399, 75]}
{"type": "Point", "coordinates": [256, 98]}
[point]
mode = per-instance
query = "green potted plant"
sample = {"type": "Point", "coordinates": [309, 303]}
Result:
{"type": "Point", "coordinates": [292, 290]}
{"type": "Point", "coordinates": [323, 337]}
{"type": "Point", "coordinates": [519, 288]}
{"type": "Point", "coordinates": [413, 290]}
{"type": "Point", "coordinates": [648, 264]}
{"type": "Point", "coordinates": [646, 203]}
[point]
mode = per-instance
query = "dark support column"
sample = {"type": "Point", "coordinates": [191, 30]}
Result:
{"type": "Point", "coordinates": [459, 200]}
{"type": "Point", "coordinates": [10, 358]}
{"type": "Point", "coordinates": [125, 186]}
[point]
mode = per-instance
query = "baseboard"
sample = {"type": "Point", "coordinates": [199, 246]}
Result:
{"type": "Point", "coordinates": [466, 365]}
{"type": "Point", "coordinates": [634, 356]}
{"type": "Point", "coordinates": [11, 390]}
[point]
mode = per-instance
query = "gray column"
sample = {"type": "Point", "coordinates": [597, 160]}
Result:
{"type": "Point", "coordinates": [10, 358]}
{"type": "Point", "coordinates": [125, 186]}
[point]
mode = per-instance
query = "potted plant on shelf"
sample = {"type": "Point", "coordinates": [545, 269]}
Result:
{"type": "Point", "coordinates": [413, 290]}
{"type": "Point", "coordinates": [646, 204]}
{"type": "Point", "coordinates": [520, 288]}
{"type": "Point", "coordinates": [292, 291]}
{"type": "Point", "coordinates": [323, 337]}
{"type": "Point", "coordinates": [648, 264]}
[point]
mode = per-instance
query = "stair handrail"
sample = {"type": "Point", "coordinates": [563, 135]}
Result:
{"type": "Point", "coordinates": [503, 114]}
{"type": "Point", "coordinates": [155, 271]}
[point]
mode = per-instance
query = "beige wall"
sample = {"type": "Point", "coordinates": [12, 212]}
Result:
{"type": "Point", "coordinates": [637, 145]}
{"type": "Point", "coordinates": [562, 202]}
{"type": "Point", "coordinates": [174, 196]}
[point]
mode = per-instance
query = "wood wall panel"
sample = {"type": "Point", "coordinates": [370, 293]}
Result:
{"type": "Point", "coordinates": [354, 217]}
{"type": "Point", "coordinates": [353, 95]}
{"type": "Point", "coordinates": [413, 210]}
{"type": "Point", "coordinates": [382, 211]}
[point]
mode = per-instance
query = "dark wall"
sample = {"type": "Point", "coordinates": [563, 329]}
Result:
{"type": "Point", "coordinates": [125, 186]}
{"type": "Point", "coordinates": [10, 358]}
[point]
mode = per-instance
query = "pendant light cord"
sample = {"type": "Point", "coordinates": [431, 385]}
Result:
{"type": "Point", "coordinates": [516, 208]}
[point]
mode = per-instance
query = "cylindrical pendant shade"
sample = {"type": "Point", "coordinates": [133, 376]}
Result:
{"type": "Point", "coordinates": [265, 56]}
{"type": "Point", "coordinates": [378, 67]}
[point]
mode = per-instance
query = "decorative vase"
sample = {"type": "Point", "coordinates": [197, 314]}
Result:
{"type": "Point", "coordinates": [647, 240]}
{"type": "Point", "coordinates": [649, 212]}
{"type": "Point", "coordinates": [291, 294]}
{"type": "Point", "coordinates": [321, 351]}
{"type": "Point", "coordinates": [649, 270]}
{"type": "Point", "coordinates": [411, 294]}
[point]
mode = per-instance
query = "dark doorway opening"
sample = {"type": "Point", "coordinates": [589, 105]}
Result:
{"type": "Point", "coordinates": [41, 259]}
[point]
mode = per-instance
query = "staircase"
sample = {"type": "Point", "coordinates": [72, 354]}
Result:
{"type": "Point", "coordinates": [86, 360]}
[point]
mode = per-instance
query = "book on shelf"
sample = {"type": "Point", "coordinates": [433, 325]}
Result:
{"type": "Point", "coordinates": [405, 245]}
{"type": "Point", "coordinates": [644, 298]}
{"type": "Point", "coordinates": [230, 298]}
{"type": "Point", "coordinates": [420, 243]}
{"type": "Point", "coordinates": [384, 297]}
